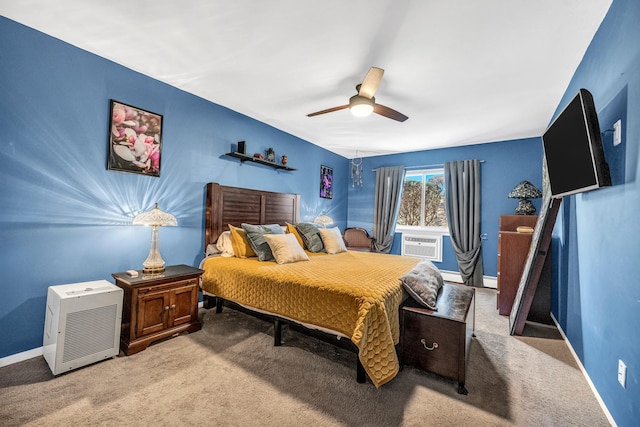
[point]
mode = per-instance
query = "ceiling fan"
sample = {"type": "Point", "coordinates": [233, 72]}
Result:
{"type": "Point", "coordinates": [364, 103]}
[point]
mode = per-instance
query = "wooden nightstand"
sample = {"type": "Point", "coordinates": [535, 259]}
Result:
{"type": "Point", "coordinates": [158, 306]}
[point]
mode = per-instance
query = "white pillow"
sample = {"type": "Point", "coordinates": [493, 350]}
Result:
{"type": "Point", "coordinates": [332, 240]}
{"type": "Point", "coordinates": [285, 248]}
{"type": "Point", "coordinates": [224, 244]}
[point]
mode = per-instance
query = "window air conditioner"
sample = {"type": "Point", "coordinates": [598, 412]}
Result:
{"type": "Point", "coordinates": [422, 246]}
{"type": "Point", "coordinates": [82, 324]}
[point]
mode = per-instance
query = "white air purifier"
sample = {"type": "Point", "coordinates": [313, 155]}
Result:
{"type": "Point", "coordinates": [82, 324]}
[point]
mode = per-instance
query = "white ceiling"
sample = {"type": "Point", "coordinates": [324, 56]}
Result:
{"type": "Point", "coordinates": [464, 71]}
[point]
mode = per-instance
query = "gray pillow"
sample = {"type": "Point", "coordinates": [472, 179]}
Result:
{"type": "Point", "coordinates": [423, 284]}
{"type": "Point", "coordinates": [310, 236]}
{"type": "Point", "coordinates": [255, 235]}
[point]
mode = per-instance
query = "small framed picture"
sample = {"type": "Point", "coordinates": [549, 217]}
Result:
{"type": "Point", "coordinates": [135, 140]}
{"type": "Point", "coordinates": [326, 182]}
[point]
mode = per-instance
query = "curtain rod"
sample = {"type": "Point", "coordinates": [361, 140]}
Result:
{"type": "Point", "coordinates": [435, 165]}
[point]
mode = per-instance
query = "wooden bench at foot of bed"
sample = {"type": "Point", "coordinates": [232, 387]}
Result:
{"type": "Point", "coordinates": [438, 341]}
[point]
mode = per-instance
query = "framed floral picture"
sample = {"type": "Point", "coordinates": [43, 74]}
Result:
{"type": "Point", "coordinates": [326, 182]}
{"type": "Point", "coordinates": [135, 140]}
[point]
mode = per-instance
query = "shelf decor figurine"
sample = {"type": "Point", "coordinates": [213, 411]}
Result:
{"type": "Point", "coordinates": [284, 160]}
{"type": "Point", "coordinates": [271, 155]}
{"type": "Point", "coordinates": [242, 147]}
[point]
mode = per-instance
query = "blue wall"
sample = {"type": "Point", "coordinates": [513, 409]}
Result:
{"type": "Point", "coordinates": [505, 165]}
{"type": "Point", "coordinates": [596, 245]}
{"type": "Point", "coordinates": [64, 218]}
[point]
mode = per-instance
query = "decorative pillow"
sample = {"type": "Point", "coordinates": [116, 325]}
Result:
{"type": "Point", "coordinates": [224, 244]}
{"type": "Point", "coordinates": [211, 250]}
{"type": "Point", "coordinates": [291, 229]}
{"type": "Point", "coordinates": [255, 234]}
{"type": "Point", "coordinates": [332, 240]}
{"type": "Point", "coordinates": [240, 243]}
{"type": "Point", "coordinates": [423, 283]}
{"type": "Point", "coordinates": [285, 248]}
{"type": "Point", "coordinates": [310, 236]}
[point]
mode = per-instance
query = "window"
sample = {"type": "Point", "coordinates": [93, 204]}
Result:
{"type": "Point", "coordinates": [422, 203]}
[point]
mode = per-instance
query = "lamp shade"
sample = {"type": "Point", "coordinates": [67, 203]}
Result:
{"type": "Point", "coordinates": [525, 190]}
{"type": "Point", "coordinates": [323, 219]}
{"type": "Point", "coordinates": [155, 217]}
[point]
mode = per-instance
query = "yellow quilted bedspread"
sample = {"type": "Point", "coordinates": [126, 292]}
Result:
{"type": "Point", "coordinates": [354, 293]}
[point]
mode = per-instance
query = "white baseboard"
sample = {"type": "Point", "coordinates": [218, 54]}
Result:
{"type": "Point", "coordinates": [454, 276]}
{"type": "Point", "coordinates": [19, 357]}
{"type": "Point", "coordinates": [35, 352]}
{"type": "Point", "coordinates": [584, 372]}
{"type": "Point", "coordinates": [451, 276]}
{"type": "Point", "coordinates": [490, 282]}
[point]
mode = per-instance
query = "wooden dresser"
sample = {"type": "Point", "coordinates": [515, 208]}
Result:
{"type": "Point", "coordinates": [158, 306]}
{"type": "Point", "coordinates": [513, 249]}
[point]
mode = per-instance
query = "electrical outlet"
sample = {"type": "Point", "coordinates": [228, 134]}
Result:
{"type": "Point", "coordinates": [617, 132]}
{"type": "Point", "coordinates": [622, 374]}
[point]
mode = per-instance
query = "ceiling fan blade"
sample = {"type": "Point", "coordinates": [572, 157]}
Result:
{"type": "Point", "coordinates": [371, 82]}
{"type": "Point", "coordinates": [328, 110]}
{"type": "Point", "coordinates": [389, 113]}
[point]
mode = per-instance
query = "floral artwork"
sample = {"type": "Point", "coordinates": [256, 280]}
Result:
{"type": "Point", "coordinates": [326, 182]}
{"type": "Point", "coordinates": [135, 140]}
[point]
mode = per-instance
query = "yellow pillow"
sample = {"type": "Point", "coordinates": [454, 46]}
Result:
{"type": "Point", "coordinates": [291, 229]}
{"type": "Point", "coordinates": [240, 243]}
{"type": "Point", "coordinates": [332, 240]}
{"type": "Point", "coordinates": [285, 248]}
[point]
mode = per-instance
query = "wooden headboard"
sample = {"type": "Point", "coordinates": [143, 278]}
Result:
{"type": "Point", "coordinates": [234, 205]}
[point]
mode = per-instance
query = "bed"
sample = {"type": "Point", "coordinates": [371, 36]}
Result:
{"type": "Point", "coordinates": [348, 294]}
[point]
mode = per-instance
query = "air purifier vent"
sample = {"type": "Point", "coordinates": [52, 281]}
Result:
{"type": "Point", "coordinates": [89, 331]}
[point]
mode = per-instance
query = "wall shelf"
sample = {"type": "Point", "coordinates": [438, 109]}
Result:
{"type": "Point", "coordinates": [244, 158]}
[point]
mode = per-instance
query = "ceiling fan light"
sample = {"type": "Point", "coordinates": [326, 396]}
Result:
{"type": "Point", "coordinates": [361, 106]}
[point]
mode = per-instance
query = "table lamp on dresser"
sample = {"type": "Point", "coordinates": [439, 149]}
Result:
{"type": "Point", "coordinates": [525, 191]}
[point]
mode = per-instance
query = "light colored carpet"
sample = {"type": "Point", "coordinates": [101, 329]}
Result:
{"type": "Point", "coordinates": [230, 374]}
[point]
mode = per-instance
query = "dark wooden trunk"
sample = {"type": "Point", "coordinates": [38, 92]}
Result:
{"type": "Point", "coordinates": [438, 341]}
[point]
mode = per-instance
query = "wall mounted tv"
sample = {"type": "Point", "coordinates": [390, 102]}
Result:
{"type": "Point", "coordinates": [573, 149]}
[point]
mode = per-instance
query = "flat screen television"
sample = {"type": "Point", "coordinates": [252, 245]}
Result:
{"type": "Point", "coordinates": [573, 149]}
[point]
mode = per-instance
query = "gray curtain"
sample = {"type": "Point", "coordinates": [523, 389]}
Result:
{"type": "Point", "coordinates": [389, 183]}
{"type": "Point", "coordinates": [462, 200]}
